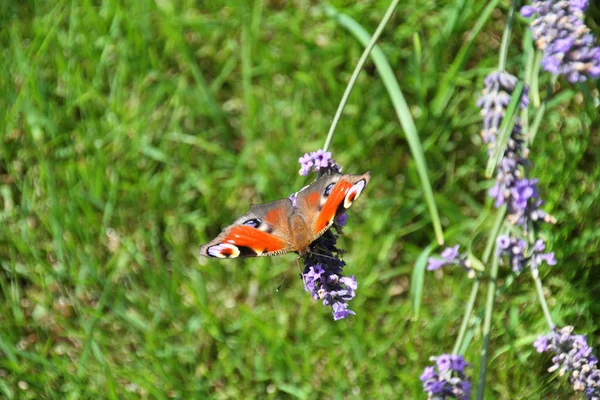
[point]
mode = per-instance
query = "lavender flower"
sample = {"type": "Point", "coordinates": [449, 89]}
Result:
{"type": "Point", "coordinates": [499, 86]}
{"type": "Point", "coordinates": [498, 90]}
{"type": "Point", "coordinates": [323, 276]}
{"type": "Point", "coordinates": [446, 379]}
{"type": "Point", "coordinates": [323, 266]}
{"type": "Point", "coordinates": [568, 44]}
{"type": "Point", "coordinates": [516, 250]}
{"type": "Point", "coordinates": [525, 204]}
{"type": "Point", "coordinates": [511, 186]}
{"type": "Point", "coordinates": [450, 256]}
{"type": "Point", "coordinates": [306, 163]}
{"type": "Point", "coordinates": [316, 160]}
{"type": "Point", "coordinates": [341, 220]}
{"type": "Point", "coordinates": [572, 356]}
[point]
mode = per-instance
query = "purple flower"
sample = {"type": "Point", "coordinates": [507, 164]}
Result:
{"type": "Point", "coordinates": [458, 363]}
{"type": "Point", "coordinates": [499, 86]}
{"type": "Point", "coordinates": [446, 379]}
{"type": "Point", "coordinates": [524, 203]}
{"type": "Point", "coordinates": [428, 373]}
{"type": "Point", "coordinates": [541, 343]}
{"type": "Point", "coordinates": [503, 242]}
{"type": "Point", "coordinates": [306, 163]}
{"type": "Point", "coordinates": [573, 356]}
{"type": "Point", "coordinates": [323, 266]}
{"type": "Point", "coordinates": [527, 11]}
{"type": "Point", "coordinates": [443, 362]}
{"type": "Point", "coordinates": [450, 253]}
{"type": "Point", "coordinates": [511, 186]}
{"type": "Point", "coordinates": [450, 256]}
{"type": "Point", "coordinates": [516, 250]}
{"type": "Point", "coordinates": [341, 220]}
{"type": "Point", "coordinates": [435, 263]}
{"type": "Point", "coordinates": [323, 276]}
{"type": "Point", "coordinates": [321, 158]}
{"type": "Point", "coordinates": [340, 311]}
{"type": "Point", "coordinates": [568, 44]}
{"type": "Point", "coordinates": [466, 387]}
{"type": "Point", "coordinates": [316, 160]}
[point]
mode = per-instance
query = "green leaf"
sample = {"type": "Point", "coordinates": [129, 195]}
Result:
{"type": "Point", "coordinates": [446, 87]}
{"type": "Point", "coordinates": [417, 279]}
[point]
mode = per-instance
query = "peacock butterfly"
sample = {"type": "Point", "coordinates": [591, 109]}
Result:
{"type": "Point", "coordinates": [288, 225]}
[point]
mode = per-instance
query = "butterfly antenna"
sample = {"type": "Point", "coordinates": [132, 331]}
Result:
{"type": "Point", "coordinates": [287, 273]}
{"type": "Point", "coordinates": [322, 255]}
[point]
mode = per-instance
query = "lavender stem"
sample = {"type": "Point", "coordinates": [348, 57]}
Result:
{"type": "Point", "coordinates": [487, 324]}
{"type": "Point", "coordinates": [543, 303]}
{"type": "Point", "coordinates": [506, 37]}
{"type": "Point", "coordinates": [357, 69]}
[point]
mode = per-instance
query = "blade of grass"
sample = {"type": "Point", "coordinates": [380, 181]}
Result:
{"type": "Point", "coordinates": [416, 281]}
{"type": "Point", "coordinates": [402, 111]}
{"type": "Point", "coordinates": [446, 87]}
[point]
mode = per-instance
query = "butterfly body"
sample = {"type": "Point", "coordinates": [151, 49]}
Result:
{"type": "Point", "coordinates": [288, 225]}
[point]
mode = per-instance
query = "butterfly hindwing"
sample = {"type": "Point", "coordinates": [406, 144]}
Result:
{"type": "Point", "coordinates": [262, 231]}
{"type": "Point", "coordinates": [328, 197]}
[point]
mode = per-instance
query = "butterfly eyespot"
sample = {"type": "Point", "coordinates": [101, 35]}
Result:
{"type": "Point", "coordinates": [223, 250]}
{"type": "Point", "coordinates": [354, 193]}
{"type": "Point", "coordinates": [254, 222]}
{"type": "Point", "coordinates": [327, 190]}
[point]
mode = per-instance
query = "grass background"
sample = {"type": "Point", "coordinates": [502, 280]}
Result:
{"type": "Point", "coordinates": [133, 133]}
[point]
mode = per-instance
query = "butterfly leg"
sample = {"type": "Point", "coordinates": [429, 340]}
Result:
{"type": "Point", "coordinates": [288, 272]}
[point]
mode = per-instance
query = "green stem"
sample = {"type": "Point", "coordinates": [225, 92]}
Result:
{"type": "Point", "coordinates": [536, 277]}
{"type": "Point", "coordinates": [465, 321]}
{"type": "Point", "coordinates": [357, 69]}
{"type": "Point", "coordinates": [494, 234]}
{"type": "Point", "coordinates": [538, 285]}
{"type": "Point", "coordinates": [487, 325]}
{"type": "Point", "coordinates": [542, 110]}
{"type": "Point", "coordinates": [486, 257]}
{"type": "Point", "coordinates": [506, 36]}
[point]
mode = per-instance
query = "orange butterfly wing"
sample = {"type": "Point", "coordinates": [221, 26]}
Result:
{"type": "Point", "coordinates": [328, 197]}
{"type": "Point", "coordinates": [262, 231]}
{"type": "Point", "coordinates": [265, 229]}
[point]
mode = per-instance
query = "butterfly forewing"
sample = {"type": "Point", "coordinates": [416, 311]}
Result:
{"type": "Point", "coordinates": [262, 231]}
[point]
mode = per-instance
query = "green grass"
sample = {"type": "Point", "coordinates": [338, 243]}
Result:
{"type": "Point", "coordinates": [132, 134]}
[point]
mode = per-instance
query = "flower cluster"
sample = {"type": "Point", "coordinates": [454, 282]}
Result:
{"type": "Point", "coordinates": [525, 204]}
{"type": "Point", "coordinates": [572, 356]}
{"type": "Point", "coordinates": [450, 256]}
{"type": "Point", "coordinates": [512, 187]}
{"type": "Point", "coordinates": [568, 44]}
{"type": "Point", "coordinates": [446, 379]}
{"type": "Point", "coordinates": [516, 250]}
{"type": "Point", "coordinates": [499, 86]}
{"type": "Point", "coordinates": [323, 266]}
{"type": "Point", "coordinates": [323, 275]}
{"type": "Point", "coordinates": [316, 160]}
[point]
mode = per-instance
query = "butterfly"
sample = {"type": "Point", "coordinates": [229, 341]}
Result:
{"type": "Point", "coordinates": [288, 225]}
